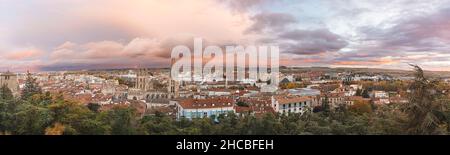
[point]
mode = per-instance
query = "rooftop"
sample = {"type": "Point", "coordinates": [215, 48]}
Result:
{"type": "Point", "coordinates": [206, 103]}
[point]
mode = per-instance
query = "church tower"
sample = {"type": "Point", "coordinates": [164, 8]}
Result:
{"type": "Point", "coordinates": [10, 80]}
{"type": "Point", "coordinates": [143, 81]}
{"type": "Point", "coordinates": [174, 86]}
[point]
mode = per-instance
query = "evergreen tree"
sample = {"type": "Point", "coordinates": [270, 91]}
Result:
{"type": "Point", "coordinates": [31, 120]}
{"type": "Point", "coordinates": [425, 106]}
{"type": "Point", "coordinates": [122, 120]}
{"type": "Point", "coordinates": [6, 106]}
{"type": "Point", "coordinates": [365, 93]}
{"type": "Point", "coordinates": [94, 107]}
{"type": "Point", "coordinates": [31, 87]}
{"type": "Point", "coordinates": [358, 92]}
{"type": "Point", "coordinates": [326, 105]}
{"type": "Point", "coordinates": [6, 93]}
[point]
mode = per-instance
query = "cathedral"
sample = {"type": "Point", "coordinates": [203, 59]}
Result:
{"type": "Point", "coordinates": [144, 80]}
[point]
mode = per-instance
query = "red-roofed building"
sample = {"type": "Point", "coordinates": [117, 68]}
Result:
{"type": "Point", "coordinates": [199, 108]}
{"type": "Point", "coordinates": [254, 106]}
{"type": "Point", "coordinates": [291, 104]}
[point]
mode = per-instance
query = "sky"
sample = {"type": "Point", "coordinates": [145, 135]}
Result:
{"type": "Point", "coordinates": [44, 35]}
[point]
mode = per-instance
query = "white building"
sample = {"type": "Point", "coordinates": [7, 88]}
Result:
{"type": "Point", "coordinates": [291, 104]}
{"type": "Point", "coordinates": [199, 108]}
{"type": "Point", "coordinates": [380, 94]}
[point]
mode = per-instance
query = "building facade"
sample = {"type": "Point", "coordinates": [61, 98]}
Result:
{"type": "Point", "coordinates": [200, 108]}
{"type": "Point", "coordinates": [291, 104]}
{"type": "Point", "coordinates": [10, 80]}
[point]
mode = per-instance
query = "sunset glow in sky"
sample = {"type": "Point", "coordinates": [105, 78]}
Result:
{"type": "Point", "coordinates": [42, 35]}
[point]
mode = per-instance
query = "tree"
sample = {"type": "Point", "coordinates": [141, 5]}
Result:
{"type": "Point", "coordinates": [365, 93]}
{"type": "Point", "coordinates": [77, 118]}
{"type": "Point", "coordinates": [56, 129]}
{"type": "Point", "coordinates": [122, 120]}
{"type": "Point", "coordinates": [242, 104]}
{"type": "Point", "coordinates": [6, 93]}
{"type": "Point", "coordinates": [41, 99]}
{"type": "Point", "coordinates": [161, 124]}
{"type": "Point", "coordinates": [361, 107]}
{"type": "Point", "coordinates": [425, 106]}
{"type": "Point", "coordinates": [31, 87]}
{"type": "Point", "coordinates": [270, 125]}
{"type": "Point", "coordinates": [229, 124]}
{"type": "Point", "coordinates": [31, 120]}
{"type": "Point", "coordinates": [358, 92]}
{"type": "Point", "coordinates": [93, 107]}
{"type": "Point", "coordinates": [326, 105]}
{"type": "Point", "coordinates": [6, 102]}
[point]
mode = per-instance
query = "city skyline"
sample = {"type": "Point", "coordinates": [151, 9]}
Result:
{"type": "Point", "coordinates": [73, 35]}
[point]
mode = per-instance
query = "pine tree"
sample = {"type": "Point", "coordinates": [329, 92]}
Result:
{"type": "Point", "coordinates": [6, 93]}
{"type": "Point", "coordinates": [31, 87]}
{"type": "Point", "coordinates": [425, 106]}
{"type": "Point", "coordinates": [365, 93]}
{"type": "Point", "coordinates": [325, 105]}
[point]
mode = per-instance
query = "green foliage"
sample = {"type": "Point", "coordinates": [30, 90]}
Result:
{"type": "Point", "coordinates": [77, 117]}
{"type": "Point", "coordinates": [31, 120]}
{"type": "Point", "coordinates": [6, 93]}
{"type": "Point", "coordinates": [365, 93]}
{"type": "Point", "coordinates": [426, 107]}
{"type": "Point", "coordinates": [31, 87]}
{"type": "Point", "coordinates": [242, 104]}
{"type": "Point", "coordinates": [326, 105]}
{"type": "Point", "coordinates": [121, 119]}
{"type": "Point", "coordinates": [94, 107]}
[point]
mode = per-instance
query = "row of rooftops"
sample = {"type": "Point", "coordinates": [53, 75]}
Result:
{"type": "Point", "coordinates": [219, 102]}
{"type": "Point", "coordinates": [291, 99]}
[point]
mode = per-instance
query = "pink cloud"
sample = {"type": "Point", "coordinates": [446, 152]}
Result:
{"type": "Point", "coordinates": [139, 51]}
{"type": "Point", "coordinates": [24, 54]}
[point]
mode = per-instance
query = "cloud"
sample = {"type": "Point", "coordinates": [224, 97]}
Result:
{"type": "Point", "coordinates": [270, 22]}
{"type": "Point", "coordinates": [138, 48]}
{"type": "Point", "coordinates": [85, 34]}
{"type": "Point", "coordinates": [312, 41]}
{"type": "Point", "coordinates": [415, 34]}
{"type": "Point", "coordinates": [245, 5]}
{"type": "Point", "coordinates": [110, 54]}
{"type": "Point", "coordinates": [114, 32]}
{"type": "Point", "coordinates": [26, 54]}
{"type": "Point", "coordinates": [365, 62]}
{"type": "Point", "coordinates": [49, 24]}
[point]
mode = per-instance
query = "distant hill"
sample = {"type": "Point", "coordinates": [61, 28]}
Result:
{"type": "Point", "coordinates": [392, 72]}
